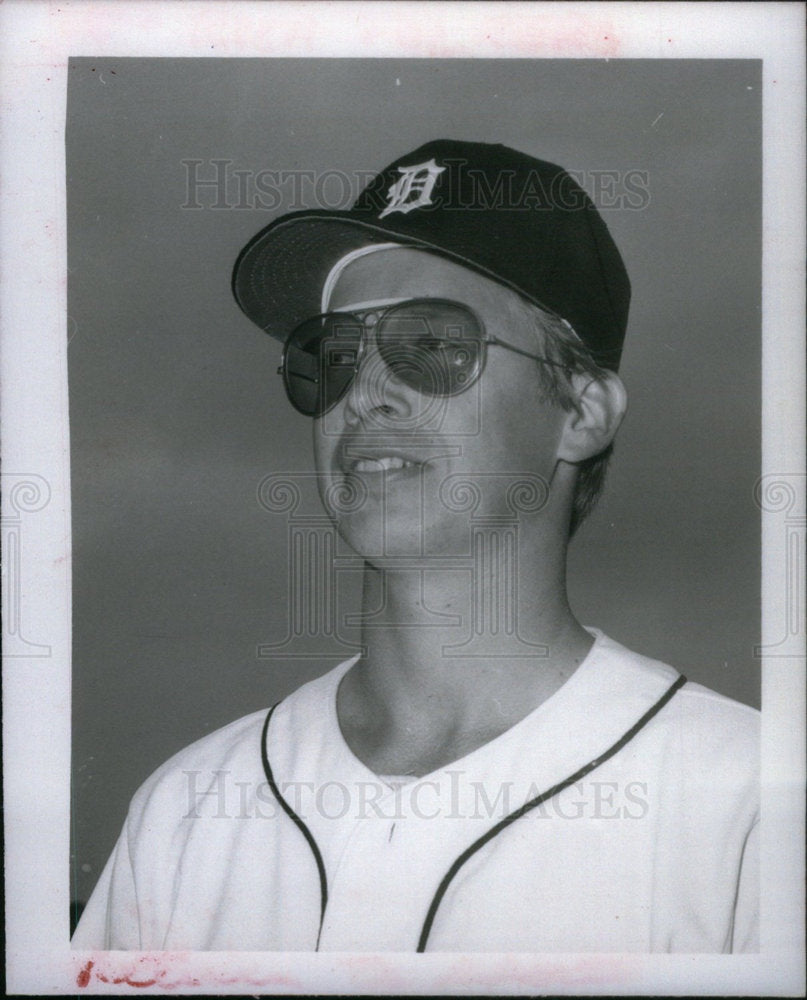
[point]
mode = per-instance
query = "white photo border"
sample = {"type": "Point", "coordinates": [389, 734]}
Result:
{"type": "Point", "coordinates": [36, 40]}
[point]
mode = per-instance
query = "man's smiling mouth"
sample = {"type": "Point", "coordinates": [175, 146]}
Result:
{"type": "Point", "coordinates": [360, 458]}
{"type": "Point", "coordinates": [385, 463]}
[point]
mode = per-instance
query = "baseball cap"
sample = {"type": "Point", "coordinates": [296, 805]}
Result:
{"type": "Point", "coordinates": [521, 221]}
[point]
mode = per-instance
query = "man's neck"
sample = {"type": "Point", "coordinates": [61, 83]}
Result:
{"type": "Point", "coordinates": [455, 658]}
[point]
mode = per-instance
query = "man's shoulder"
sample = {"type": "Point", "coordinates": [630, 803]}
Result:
{"type": "Point", "coordinates": [699, 698]}
{"type": "Point", "coordinates": [708, 704]}
{"type": "Point", "coordinates": [709, 726]}
{"type": "Point", "coordinates": [231, 748]}
{"type": "Point", "coordinates": [234, 750]}
{"type": "Point", "coordinates": [718, 728]}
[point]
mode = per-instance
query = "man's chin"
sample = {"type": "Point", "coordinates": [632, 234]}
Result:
{"type": "Point", "coordinates": [385, 545]}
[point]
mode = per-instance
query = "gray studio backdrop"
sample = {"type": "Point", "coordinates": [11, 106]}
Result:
{"type": "Point", "coordinates": [180, 570]}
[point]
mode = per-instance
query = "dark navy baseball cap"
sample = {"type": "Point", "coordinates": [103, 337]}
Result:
{"type": "Point", "coordinates": [520, 221]}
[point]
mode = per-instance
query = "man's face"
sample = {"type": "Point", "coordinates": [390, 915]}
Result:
{"type": "Point", "coordinates": [420, 467]}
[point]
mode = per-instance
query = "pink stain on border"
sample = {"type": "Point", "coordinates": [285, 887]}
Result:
{"type": "Point", "coordinates": [83, 978]}
{"type": "Point", "coordinates": [169, 971]}
{"type": "Point", "coordinates": [598, 970]}
{"type": "Point", "coordinates": [588, 39]}
{"type": "Point", "coordinates": [164, 970]}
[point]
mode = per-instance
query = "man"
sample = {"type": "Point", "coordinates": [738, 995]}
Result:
{"type": "Point", "coordinates": [488, 774]}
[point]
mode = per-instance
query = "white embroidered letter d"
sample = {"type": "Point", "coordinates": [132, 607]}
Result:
{"type": "Point", "coordinates": [413, 188]}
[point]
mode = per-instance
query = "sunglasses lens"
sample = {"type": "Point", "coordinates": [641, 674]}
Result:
{"type": "Point", "coordinates": [433, 346]}
{"type": "Point", "coordinates": [319, 362]}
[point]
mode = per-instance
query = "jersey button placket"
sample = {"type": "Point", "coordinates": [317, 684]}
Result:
{"type": "Point", "coordinates": [366, 906]}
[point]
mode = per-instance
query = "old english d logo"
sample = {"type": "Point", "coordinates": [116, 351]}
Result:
{"type": "Point", "coordinates": [413, 188]}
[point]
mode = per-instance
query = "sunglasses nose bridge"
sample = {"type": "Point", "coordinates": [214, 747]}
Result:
{"type": "Point", "coordinates": [373, 387]}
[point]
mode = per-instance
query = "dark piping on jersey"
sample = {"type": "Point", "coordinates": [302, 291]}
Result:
{"type": "Point", "coordinates": [323, 878]}
{"type": "Point", "coordinates": [486, 837]}
{"type": "Point", "coordinates": [533, 803]}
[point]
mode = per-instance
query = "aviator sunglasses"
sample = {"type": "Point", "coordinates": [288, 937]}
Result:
{"type": "Point", "coordinates": [435, 346]}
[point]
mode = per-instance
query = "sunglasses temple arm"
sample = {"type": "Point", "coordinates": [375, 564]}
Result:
{"type": "Point", "coordinates": [525, 354]}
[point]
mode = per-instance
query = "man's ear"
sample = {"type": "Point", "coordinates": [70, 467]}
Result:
{"type": "Point", "coordinates": [592, 424]}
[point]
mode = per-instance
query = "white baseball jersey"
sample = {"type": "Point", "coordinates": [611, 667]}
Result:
{"type": "Point", "coordinates": [618, 816]}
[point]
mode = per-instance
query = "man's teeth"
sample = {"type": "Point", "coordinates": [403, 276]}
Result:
{"type": "Point", "coordinates": [380, 464]}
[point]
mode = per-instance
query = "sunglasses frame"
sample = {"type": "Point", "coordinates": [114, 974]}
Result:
{"type": "Point", "coordinates": [380, 312]}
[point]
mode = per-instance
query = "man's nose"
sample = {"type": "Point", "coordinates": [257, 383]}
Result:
{"type": "Point", "coordinates": [376, 395]}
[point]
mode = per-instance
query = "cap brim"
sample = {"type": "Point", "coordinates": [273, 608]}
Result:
{"type": "Point", "coordinates": [279, 275]}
